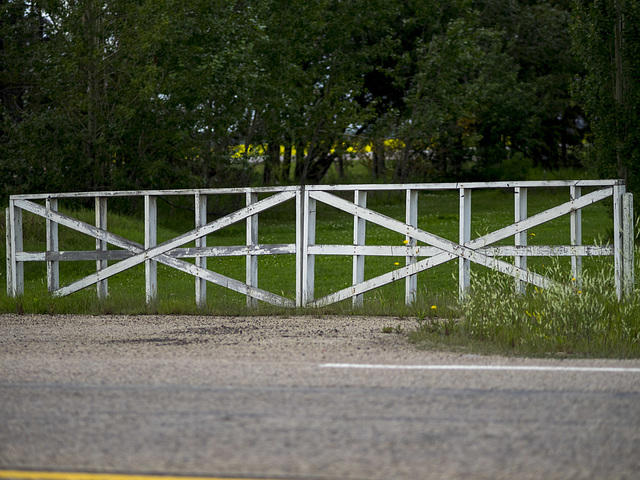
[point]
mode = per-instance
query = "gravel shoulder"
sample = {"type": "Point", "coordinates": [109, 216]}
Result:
{"type": "Point", "coordinates": [224, 350]}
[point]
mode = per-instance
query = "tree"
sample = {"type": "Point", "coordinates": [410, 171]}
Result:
{"type": "Point", "coordinates": [606, 36]}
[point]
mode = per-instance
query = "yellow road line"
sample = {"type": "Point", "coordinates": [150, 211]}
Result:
{"type": "Point", "coordinates": [37, 475]}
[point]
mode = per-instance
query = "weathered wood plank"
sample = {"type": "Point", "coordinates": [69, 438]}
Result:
{"type": "Point", "coordinates": [16, 246]}
{"type": "Point", "coordinates": [464, 236]}
{"type": "Point", "coordinates": [102, 286]}
{"type": "Point", "coordinates": [628, 244]}
{"type": "Point", "coordinates": [251, 261]}
{"type": "Point", "coordinates": [290, 249]}
{"type": "Point", "coordinates": [308, 260]}
{"type": "Point", "coordinates": [618, 192]}
{"type": "Point", "coordinates": [411, 217]}
{"type": "Point", "coordinates": [299, 246]}
{"type": "Point", "coordinates": [150, 240]}
{"type": "Point", "coordinates": [200, 203]}
{"type": "Point", "coordinates": [10, 258]}
{"type": "Point", "coordinates": [359, 238]}
{"type": "Point", "coordinates": [364, 187]}
{"type": "Point", "coordinates": [51, 232]}
{"type": "Point", "coordinates": [520, 213]}
{"type": "Point", "coordinates": [575, 231]}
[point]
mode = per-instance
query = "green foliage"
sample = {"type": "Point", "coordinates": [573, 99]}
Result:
{"type": "Point", "coordinates": [568, 318]}
{"type": "Point", "coordinates": [155, 94]}
{"type": "Point", "coordinates": [606, 39]}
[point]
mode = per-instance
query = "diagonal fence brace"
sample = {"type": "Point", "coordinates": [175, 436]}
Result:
{"type": "Point", "coordinates": [140, 255]}
{"type": "Point", "coordinates": [454, 251]}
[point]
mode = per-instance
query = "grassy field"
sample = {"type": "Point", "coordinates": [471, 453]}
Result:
{"type": "Point", "coordinates": [437, 288]}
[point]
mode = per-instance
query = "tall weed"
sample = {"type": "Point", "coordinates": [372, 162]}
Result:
{"type": "Point", "coordinates": [573, 316]}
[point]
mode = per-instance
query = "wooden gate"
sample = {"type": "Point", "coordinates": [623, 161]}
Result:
{"type": "Point", "coordinates": [422, 249]}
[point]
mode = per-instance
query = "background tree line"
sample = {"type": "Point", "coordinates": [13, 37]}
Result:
{"type": "Point", "coordinates": [122, 94]}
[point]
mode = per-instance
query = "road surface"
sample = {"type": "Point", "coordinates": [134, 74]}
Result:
{"type": "Point", "coordinates": [301, 398]}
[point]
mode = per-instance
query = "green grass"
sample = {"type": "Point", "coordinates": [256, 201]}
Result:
{"type": "Point", "coordinates": [437, 295]}
{"type": "Point", "coordinates": [567, 319]}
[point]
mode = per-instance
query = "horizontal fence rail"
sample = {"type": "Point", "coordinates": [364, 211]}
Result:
{"type": "Point", "coordinates": [422, 249]}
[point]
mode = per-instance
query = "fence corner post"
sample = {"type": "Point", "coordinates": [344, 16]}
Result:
{"type": "Point", "coordinates": [15, 270]}
{"type": "Point", "coordinates": [628, 240]}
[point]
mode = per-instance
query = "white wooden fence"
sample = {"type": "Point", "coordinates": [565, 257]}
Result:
{"type": "Point", "coordinates": [422, 249]}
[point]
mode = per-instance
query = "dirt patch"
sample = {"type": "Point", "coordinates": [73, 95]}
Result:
{"type": "Point", "coordinates": [295, 334]}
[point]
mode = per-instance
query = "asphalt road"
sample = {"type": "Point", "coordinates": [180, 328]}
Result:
{"type": "Point", "coordinates": [281, 398]}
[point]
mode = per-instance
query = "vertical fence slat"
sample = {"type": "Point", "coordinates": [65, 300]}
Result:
{"type": "Point", "coordinates": [300, 233]}
{"type": "Point", "coordinates": [9, 258]}
{"type": "Point", "coordinates": [201, 261]}
{"type": "Point", "coordinates": [53, 266]}
{"type": "Point", "coordinates": [359, 238]}
{"type": "Point", "coordinates": [252, 240]}
{"type": "Point", "coordinates": [411, 215]}
{"type": "Point", "coordinates": [464, 279]}
{"type": "Point", "coordinates": [576, 236]}
{"type": "Point", "coordinates": [102, 287]}
{"type": "Point", "coordinates": [618, 192]}
{"type": "Point", "coordinates": [308, 280]}
{"type": "Point", "coordinates": [628, 244]}
{"type": "Point", "coordinates": [151, 240]}
{"type": "Point", "coordinates": [17, 268]}
{"type": "Point", "coordinates": [520, 207]}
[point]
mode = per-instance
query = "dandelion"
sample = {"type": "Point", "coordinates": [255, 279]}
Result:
{"type": "Point", "coordinates": [405, 242]}
{"type": "Point", "coordinates": [396, 263]}
{"type": "Point", "coordinates": [532, 234]}
{"type": "Point", "coordinates": [573, 279]}
{"type": "Point", "coordinates": [433, 307]}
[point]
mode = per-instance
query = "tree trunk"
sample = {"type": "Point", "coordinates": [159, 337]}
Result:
{"type": "Point", "coordinates": [271, 163]}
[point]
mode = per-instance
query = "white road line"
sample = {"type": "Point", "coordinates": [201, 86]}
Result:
{"type": "Point", "coordinates": [520, 368]}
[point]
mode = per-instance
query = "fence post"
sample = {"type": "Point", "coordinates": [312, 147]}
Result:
{"type": "Point", "coordinates": [53, 266]}
{"type": "Point", "coordinates": [618, 192]}
{"type": "Point", "coordinates": [520, 261]}
{"type": "Point", "coordinates": [102, 287]}
{"type": "Point", "coordinates": [17, 268]}
{"type": "Point", "coordinates": [359, 238]}
{"type": "Point", "coordinates": [8, 256]}
{"type": "Point", "coordinates": [576, 236]}
{"type": "Point", "coordinates": [411, 282]}
{"type": "Point", "coordinates": [201, 261]}
{"type": "Point", "coordinates": [251, 264]}
{"type": "Point", "coordinates": [151, 240]}
{"type": "Point", "coordinates": [308, 262]}
{"type": "Point", "coordinates": [464, 279]}
{"type": "Point", "coordinates": [300, 259]}
{"type": "Point", "coordinates": [628, 244]}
